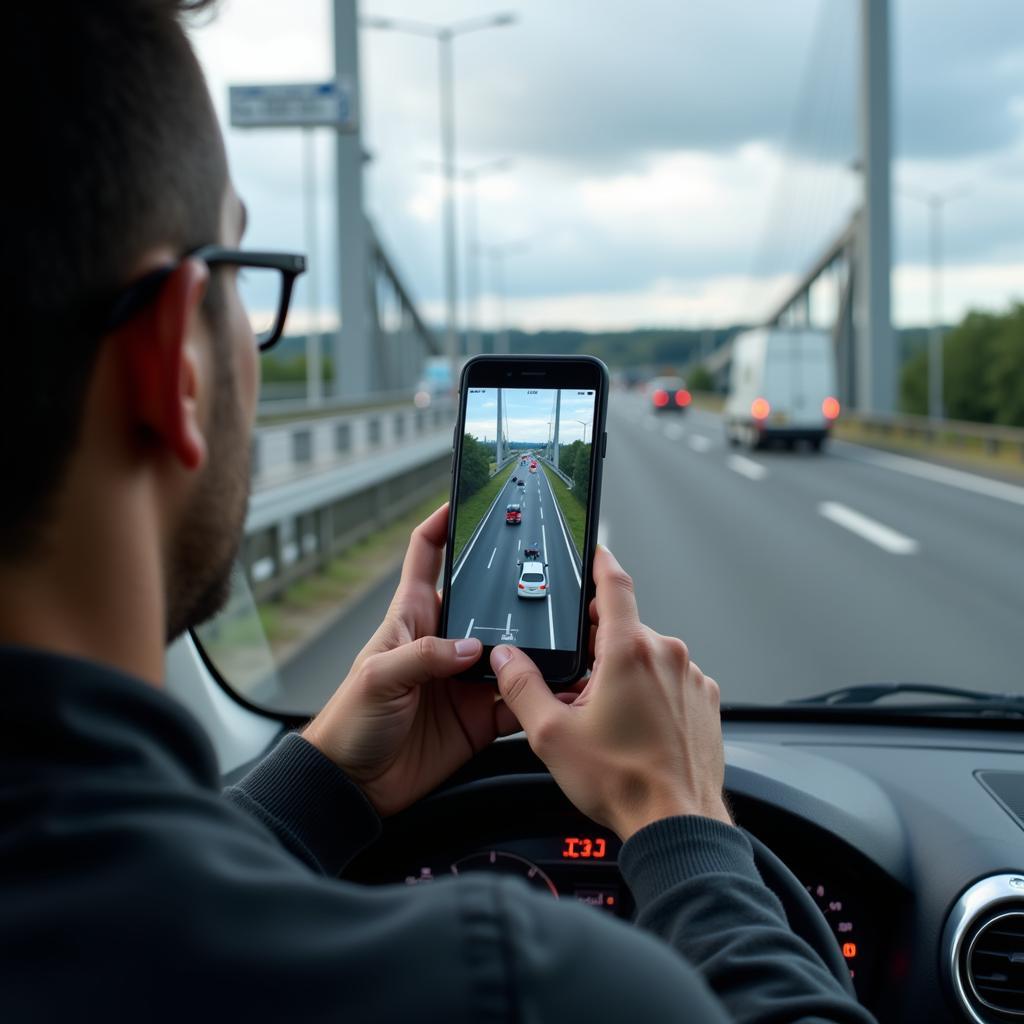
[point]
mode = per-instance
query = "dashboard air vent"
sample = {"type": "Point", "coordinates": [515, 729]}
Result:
{"type": "Point", "coordinates": [995, 963]}
{"type": "Point", "coordinates": [984, 950]}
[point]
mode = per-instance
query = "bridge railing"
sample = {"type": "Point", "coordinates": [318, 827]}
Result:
{"type": "Point", "coordinates": [322, 484]}
{"type": "Point", "coordinates": [993, 438]}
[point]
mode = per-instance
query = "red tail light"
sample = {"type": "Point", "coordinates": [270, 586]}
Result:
{"type": "Point", "coordinates": [543, 586]}
{"type": "Point", "coordinates": [660, 398]}
{"type": "Point", "coordinates": [830, 408]}
{"type": "Point", "coordinates": [760, 409]}
{"type": "Point", "coordinates": [522, 586]}
{"type": "Point", "coordinates": [683, 397]}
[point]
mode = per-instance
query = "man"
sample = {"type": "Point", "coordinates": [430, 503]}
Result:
{"type": "Point", "coordinates": [131, 889]}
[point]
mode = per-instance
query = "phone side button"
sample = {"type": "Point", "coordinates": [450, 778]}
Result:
{"type": "Point", "coordinates": [604, 444]}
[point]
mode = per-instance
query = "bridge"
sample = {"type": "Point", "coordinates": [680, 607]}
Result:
{"type": "Point", "coordinates": [818, 539]}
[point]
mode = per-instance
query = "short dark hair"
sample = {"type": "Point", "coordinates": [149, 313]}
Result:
{"type": "Point", "coordinates": [113, 148]}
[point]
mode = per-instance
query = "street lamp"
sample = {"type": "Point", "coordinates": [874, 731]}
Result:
{"type": "Point", "coordinates": [935, 202]}
{"type": "Point", "coordinates": [583, 433]}
{"type": "Point", "coordinates": [470, 175]}
{"type": "Point", "coordinates": [444, 34]}
{"type": "Point", "coordinates": [497, 254]}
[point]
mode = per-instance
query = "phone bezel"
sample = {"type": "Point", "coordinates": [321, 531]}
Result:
{"type": "Point", "coordinates": [560, 668]}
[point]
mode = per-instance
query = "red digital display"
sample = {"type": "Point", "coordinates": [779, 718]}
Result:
{"type": "Point", "coordinates": [584, 848]}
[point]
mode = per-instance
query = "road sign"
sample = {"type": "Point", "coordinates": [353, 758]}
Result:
{"type": "Point", "coordinates": [299, 105]}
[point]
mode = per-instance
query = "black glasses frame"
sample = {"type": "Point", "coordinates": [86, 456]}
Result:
{"type": "Point", "coordinates": [139, 294]}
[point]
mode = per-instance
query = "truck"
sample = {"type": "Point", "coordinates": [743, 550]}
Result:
{"type": "Point", "coordinates": [782, 387]}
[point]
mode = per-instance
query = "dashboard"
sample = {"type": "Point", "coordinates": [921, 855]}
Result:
{"type": "Point", "coordinates": [889, 829]}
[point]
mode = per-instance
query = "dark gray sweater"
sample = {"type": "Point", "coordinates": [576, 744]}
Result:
{"type": "Point", "coordinates": [131, 889]}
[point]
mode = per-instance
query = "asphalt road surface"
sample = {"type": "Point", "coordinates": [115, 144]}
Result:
{"type": "Point", "coordinates": [485, 601]}
{"type": "Point", "coordinates": [787, 573]}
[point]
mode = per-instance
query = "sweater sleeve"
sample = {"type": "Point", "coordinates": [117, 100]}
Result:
{"type": "Point", "coordinates": [309, 804]}
{"type": "Point", "coordinates": [697, 888]}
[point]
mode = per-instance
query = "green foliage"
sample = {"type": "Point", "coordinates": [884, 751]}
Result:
{"type": "Point", "coordinates": [475, 469]}
{"type": "Point", "coordinates": [581, 473]}
{"type": "Point", "coordinates": [568, 456]}
{"type": "Point", "coordinates": [983, 370]}
{"type": "Point", "coordinates": [700, 379]}
{"type": "Point", "coordinates": [280, 369]}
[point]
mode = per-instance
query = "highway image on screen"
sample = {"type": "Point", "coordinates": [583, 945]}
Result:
{"type": "Point", "coordinates": [520, 517]}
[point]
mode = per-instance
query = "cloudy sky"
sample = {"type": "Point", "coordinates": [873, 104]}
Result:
{"type": "Point", "coordinates": [530, 414]}
{"type": "Point", "coordinates": [675, 162]}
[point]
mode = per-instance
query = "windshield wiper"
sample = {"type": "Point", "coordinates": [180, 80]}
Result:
{"type": "Point", "coordinates": [956, 700]}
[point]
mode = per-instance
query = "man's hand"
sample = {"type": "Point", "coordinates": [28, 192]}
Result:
{"type": "Point", "coordinates": [643, 739]}
{"type": "Point", "coordinates": [399, 725]}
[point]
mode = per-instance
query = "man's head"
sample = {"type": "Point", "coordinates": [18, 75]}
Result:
{"type": "Point", "coordinates": [117, 167]}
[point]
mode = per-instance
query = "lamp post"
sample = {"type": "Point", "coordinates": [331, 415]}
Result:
{"type": "Point", "coordinates": [497, 254]}
{"type": "Point", "coordinates": [935, 201]}
{"type": "Point", "coordinates": [444, 35]}
{"type": "Point", "coordinates": [583, 433]}
{"type": "Point", "coordinates": [471, 175]}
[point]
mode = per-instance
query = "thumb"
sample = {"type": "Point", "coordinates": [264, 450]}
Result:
{"type": "Point", "coordinates": [524, 691]}
{"type": "Point", "coordinates": [393, 673]}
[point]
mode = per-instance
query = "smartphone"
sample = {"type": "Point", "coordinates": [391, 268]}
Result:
{"type": "Point", "coordinates": [528, 452]}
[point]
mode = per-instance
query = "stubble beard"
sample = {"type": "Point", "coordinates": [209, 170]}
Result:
{"type": "Point", "coordinates": [210, 535]}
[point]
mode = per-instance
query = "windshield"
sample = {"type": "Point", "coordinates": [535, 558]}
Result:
{"type": "Point", "coordinates": [815, 455]}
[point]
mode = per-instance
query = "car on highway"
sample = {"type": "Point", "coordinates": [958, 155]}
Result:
{"type": "Point", "coordinates": [513, 515]}
{"type": "Point", "coordinates": [533, 582]}
{"type": "Point", "coordinates": [668, 394]}
{"type": "Point", "coordinates": [521, 483]}
{"type": "Point", "coordinates": [782, 388]}
{"type": "Point", "coordinates": [531, 550]}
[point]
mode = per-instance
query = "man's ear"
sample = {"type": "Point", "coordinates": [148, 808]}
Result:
{"type": "Point", "coordinates": [166, 367]}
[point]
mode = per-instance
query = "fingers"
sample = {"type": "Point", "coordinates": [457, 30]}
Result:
{"type": "Point", "coordinates": [426, 549]}
{"type": "Point", "coordinates": [524, 691]}
{"type": "Point", "coordinates": [393, 673]}
{"type": "Point", "coordinates": [615, 601]}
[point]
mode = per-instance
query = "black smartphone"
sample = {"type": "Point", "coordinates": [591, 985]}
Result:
{"type": "Point", "coordinates": [529, 447]}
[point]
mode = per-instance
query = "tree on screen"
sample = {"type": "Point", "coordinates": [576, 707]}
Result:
{"type": "Point", "coordinates": [475, 470]}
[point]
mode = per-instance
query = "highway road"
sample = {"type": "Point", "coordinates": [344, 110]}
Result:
{"type": "Point", "coordinates": [789, 573]}
{"type": "Point", "coordinates": [485, 602]}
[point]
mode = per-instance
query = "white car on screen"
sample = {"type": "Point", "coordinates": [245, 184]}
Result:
{"type": "Point", "coordinates": [533, 580]}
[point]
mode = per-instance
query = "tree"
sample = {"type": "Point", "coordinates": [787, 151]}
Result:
{"type": "Point", "coordinates": [700, 379]}
{"type": "Point", "coordinates": [1005, 372]}
{"type": "Point", "coordinates": [581, 474]}
{"type": "Point", "coordinates": [475, 469]}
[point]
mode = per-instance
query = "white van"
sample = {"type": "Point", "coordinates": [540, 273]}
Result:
{"type": "Point", "coordinates": [782, 386]}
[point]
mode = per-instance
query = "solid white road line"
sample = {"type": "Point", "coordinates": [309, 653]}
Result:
{"type": "Point", "coordinates": [519, 543]}
{"type": "Point", "coordinates": [476, 536]}
{"type": "Point", "coordinates": [871, 530]}
{"type": "Point", "coordinates": [565, 537]}
{"type": "Point", "coordinates": [551, 619]}
{"type": "Point", "coordinates": [491, 559]}
{"type": "Point", "coordinates": [699, 443]}
{"type": "Point", "coordinates": [942, 475]}
{"type": "Point", "coordinates": [746, 467]}
{"type": "Point", "coordinates": [469, 628]}
{"type": "Point", "coordinates": [674, 431]}
{"type": "Point", "coordinates": [544, 541]}
{"type": "Point", "coordinates": [508, 624]}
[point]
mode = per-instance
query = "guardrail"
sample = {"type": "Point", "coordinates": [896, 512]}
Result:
{"type": "Point", "coordinates": [300, 447]}
{"type": "Point", "coordinates": [321, 485]}
{"type": "Point", "coordinates": [992, 437]}
{"type": "Point", "coordinates": [568, 480]}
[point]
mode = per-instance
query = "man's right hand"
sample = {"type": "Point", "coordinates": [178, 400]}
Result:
{"type": "Point", "coordinates": [643, 739]}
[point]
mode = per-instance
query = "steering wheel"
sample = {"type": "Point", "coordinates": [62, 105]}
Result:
{"type": "Point", "coordinates": [801, 911]}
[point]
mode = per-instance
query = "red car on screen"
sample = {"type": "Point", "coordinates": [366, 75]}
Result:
{"type": "Point", "coordinates": [513, 515]}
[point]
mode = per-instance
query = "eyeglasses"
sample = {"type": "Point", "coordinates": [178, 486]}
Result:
{"type": "Point", "coordinates": [265, 283]}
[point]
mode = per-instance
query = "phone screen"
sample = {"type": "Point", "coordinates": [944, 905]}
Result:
{"type": "Point", "coordinates": [522, 502]}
